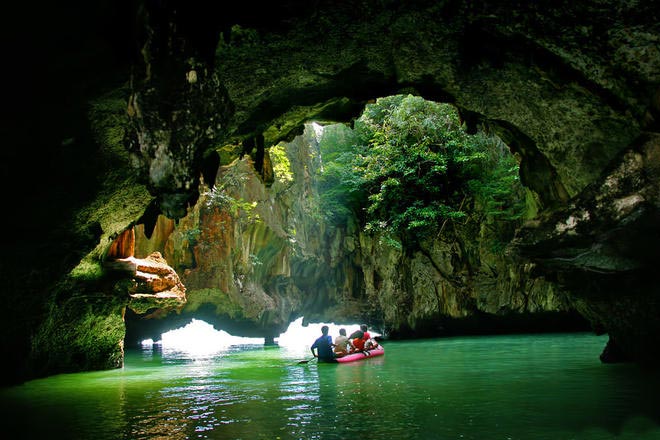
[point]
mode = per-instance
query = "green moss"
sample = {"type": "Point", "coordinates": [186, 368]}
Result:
{"type": "Point", "coordinates": [87, 270]}
{"type": "Point", "coordinates": [84, 328]}
{"type": "Point", "coordinates": [99, 336]}
{"type": "Point", "coordinates": [141, 304]}
{"type": "Point", "coordinates": [531, 205]}
{"type": "Point", "coordinates": [109, 120]}
{"type": "Point", "coordinates": [228, 153]}
{"type": "Point", "coordinates": [121, 199]}
{"type": "Point", "coordinates": [86, 332]}
{"type": "Point", "coordinates": [241, 36]}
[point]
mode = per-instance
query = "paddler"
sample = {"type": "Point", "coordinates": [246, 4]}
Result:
{"type": "Point", "coordinates": [323, 346]}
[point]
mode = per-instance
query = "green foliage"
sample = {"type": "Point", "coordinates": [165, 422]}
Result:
{"type": "Point", "coordinates": [281, 163]}
{"type": "Point", "coordinates": [241, 36]}
{"type": "Point", "coordinates": [220, 196]}
{"type": "Point", "coordinates": [255, 260]}
{"type": "Point", "coordinates": [409, 166]}
{"type": "Point", "coordinates": [341, 181]}
{"type": "Point", "coordinates": [498, 188]}
{"type": "Point", "coordinates": [191, 235]}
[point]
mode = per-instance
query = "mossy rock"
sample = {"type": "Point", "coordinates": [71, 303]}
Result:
{"type": "Point", "coordinates": [84, 333]}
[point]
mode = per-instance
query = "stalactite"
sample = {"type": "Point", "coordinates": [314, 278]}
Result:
{"type": "Point", "coordinates": [123, 246]}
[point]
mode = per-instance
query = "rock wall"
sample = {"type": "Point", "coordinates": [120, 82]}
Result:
{"type": "Point", "coordinates": [569, 87]}
{"type": "Point", "coordinates": [254, 256]}
{"type": "Point", "coordinates": [604, 248]}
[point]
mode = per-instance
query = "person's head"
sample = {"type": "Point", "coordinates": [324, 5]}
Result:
{"type": "Point", "coordinates": [342, 331]}
{"type": "Point", "coordinates": [363, 327]}
{"type": "Point", "coordinates": [325, 329]}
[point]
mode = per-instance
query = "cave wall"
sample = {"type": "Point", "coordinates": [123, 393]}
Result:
{"type": "Point", "coordinates": [254, 253]}
{"type": "Point", "coordinates": [572, 87]}
{"type": "Point", "coordinates": [501, 65]}
{"type": "Point", "coordinates": [603, 248]}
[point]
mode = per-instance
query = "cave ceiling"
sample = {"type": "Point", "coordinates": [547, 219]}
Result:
{"type": "Point", "coordinates": [556, 83]}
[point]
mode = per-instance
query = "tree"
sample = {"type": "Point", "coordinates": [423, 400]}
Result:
{"type": "Point", "coordinates": [411, 166]}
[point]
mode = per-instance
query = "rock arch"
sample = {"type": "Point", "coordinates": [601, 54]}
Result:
{"type": "Point", "coordinates": [571, 100]}
{"type": "Point", "coordinates": [573, 88]}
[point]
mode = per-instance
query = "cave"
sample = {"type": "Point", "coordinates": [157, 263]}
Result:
{"type": "Point", "coordinates": [121, 121]}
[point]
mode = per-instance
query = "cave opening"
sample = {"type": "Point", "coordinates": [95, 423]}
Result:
{"type": "Point", "coordinates": [258, 235]}
{"type": "Point", "coordinates": [199, 338]}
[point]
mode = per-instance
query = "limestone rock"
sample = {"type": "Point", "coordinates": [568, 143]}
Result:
{"type": "Point", "coordinates": [256, 254]}
{"type": "Point", "coordinates": [157, 285]}
{"type": "Point", "coordinates": [604, 247]}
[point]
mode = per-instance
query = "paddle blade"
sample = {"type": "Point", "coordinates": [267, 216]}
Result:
{"type": "Point", "coordinates": [356, 334]}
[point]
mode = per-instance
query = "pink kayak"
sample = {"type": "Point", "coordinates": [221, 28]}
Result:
{"type": "Point", "coordinates": [361, 355]}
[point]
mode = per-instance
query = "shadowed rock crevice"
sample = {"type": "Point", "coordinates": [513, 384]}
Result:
{"type": "Point", "coordinates": [356, 83]}
{"type": "Point", "coordinates": [536, 172]}
{"type": "Point", "coordinates": [604, 246]}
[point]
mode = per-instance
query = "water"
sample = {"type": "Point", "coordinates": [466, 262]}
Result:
{"type": "Point", "coordinates": [503, 387]}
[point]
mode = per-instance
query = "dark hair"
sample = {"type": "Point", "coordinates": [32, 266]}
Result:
{"type": "Point", "coordinates": [342, 331]}
{"type": "Point", "coordinates": [363, 327]}
{"type": "Point", "coordinates": [325, 329]}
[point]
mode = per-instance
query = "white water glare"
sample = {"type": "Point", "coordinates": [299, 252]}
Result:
{"type": "Point", "coordinates": [199, 338]}
{"type": "Point", "coordinates": [299, 335]}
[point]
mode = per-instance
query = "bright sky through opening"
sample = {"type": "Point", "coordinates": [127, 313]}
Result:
{"type": "Point", "coordinates": [199, 337]}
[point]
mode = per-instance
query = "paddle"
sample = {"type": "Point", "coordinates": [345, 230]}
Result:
{"type": "Point", "coordinates": [306, 360]}
{"type": "Point", "coordinates": [356, 334]}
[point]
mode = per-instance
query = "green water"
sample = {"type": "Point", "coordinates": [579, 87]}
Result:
{"type": "Point", "coordinates": [504, 387]}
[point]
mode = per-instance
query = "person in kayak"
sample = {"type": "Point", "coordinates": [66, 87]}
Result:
{"type": "Point", "coordinates": [343, 345]}
{"type": "Point", "coordinates": [363, 342]}
{"type": "Point", "coordinates": [323, 346]}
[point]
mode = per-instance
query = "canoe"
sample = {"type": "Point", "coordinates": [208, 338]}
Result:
{"type": "Point", "coordinates": [361, 355]}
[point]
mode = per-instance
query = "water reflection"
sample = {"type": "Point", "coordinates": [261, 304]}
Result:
{"type": "Point", "coordinates": [523, 387]}
{"type": "Point", "coordinates": [299, 396]}
{"type": "Point", "coordinates": [205, 394]}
